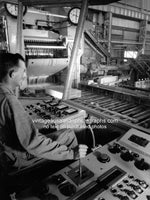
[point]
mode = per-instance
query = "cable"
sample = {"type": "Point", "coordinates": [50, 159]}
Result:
{"type": "Point", "coordinates": [92, 133]}
{"type": "Point", "coordinates": [93, 136]}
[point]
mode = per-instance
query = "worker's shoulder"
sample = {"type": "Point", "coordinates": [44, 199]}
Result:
{"type": "Point", "coordinates": [11, 100]}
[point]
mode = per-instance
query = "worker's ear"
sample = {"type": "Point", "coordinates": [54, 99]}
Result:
{"type": "Point", "coordinates": [11, 73]}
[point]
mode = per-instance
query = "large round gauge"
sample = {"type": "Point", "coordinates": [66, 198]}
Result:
{"type": "Point", "coordinates": [73, 15]}
{"type": "Point", "coordinates": [12, 9]}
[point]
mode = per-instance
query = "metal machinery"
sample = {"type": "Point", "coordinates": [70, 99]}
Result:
{"type": "Point", "coordinates": [44, 45]}
{"type": "Point", "coordinates": [47, 44]}
{"type": "Point", "coordinates": [3, 34]}
{"type": "Point", "coordinates": [125, 107]}
{"type": "Point", "coordinates": [118, 170]}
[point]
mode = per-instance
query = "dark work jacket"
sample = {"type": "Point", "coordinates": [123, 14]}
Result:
{"type": "Point", "coordinates": [19, 137]}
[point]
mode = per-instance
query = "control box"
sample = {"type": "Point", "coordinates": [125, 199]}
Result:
{"type": "Point", "coordinates": [111, 172]}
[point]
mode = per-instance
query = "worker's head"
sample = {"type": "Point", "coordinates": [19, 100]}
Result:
{"type": "Point", "coordinates": [12, 69]}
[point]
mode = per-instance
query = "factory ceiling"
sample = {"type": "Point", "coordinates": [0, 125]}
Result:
{"type": "Point", "coordinates": [59, 2]}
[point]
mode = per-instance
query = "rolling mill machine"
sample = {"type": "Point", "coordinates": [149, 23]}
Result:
{"type": "Point", "coordinates": [125, 106]}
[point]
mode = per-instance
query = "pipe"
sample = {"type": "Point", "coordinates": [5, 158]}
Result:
{"type": "Point", "coordinates": [76, 43]}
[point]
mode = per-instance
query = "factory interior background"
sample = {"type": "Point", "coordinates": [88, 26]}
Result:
{"type": "Point", "coordinates": [88, 69]}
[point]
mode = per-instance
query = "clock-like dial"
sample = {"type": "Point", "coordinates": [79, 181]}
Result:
{"type": "Point", "coordinates": [12, 9]}
{"type": "Point", "coordinates": [73, 15]}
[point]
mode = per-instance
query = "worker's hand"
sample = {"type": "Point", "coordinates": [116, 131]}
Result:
{"type": "Point", "coordinates": [80, 151]}
{"type": "Point", "coordinates": [65, 137]}
{"type": "Point", "coordinates": [63, 153]}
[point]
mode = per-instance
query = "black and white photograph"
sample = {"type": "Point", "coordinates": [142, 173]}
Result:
{"type": "Point", "coordinates": [74, 100]}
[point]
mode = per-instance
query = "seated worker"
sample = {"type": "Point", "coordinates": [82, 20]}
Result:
{"type": "Point", "coordinates": [19, 138]}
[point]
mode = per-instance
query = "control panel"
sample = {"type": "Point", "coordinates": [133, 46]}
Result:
{"type": "Point", "coordinates": [111, 172]}
{"type": "Point", "coordinates": [137, 140]}
{"type": "Point", "coordinates": [53, 113]}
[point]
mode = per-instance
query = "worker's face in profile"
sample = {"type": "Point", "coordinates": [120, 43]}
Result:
{"type": "Point", "coordinates": [20, 74]}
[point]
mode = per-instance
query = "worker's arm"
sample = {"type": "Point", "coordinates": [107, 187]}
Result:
{"type": "Point", "coordinates": [30, 139]}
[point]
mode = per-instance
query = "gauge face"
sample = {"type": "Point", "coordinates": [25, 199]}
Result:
{"type": "Point", "coordinates": [73, 15]}
{"type": "Point", "coordinates": [12, 9]}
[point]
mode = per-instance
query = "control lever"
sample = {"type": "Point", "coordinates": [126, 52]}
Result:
{"type": "Point", "coordinates": [82, 153]}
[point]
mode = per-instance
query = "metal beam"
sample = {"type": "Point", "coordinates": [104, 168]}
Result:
{"type": "Point", "coordinates": [127, 12]}
{"type": "Point", "coordinates": [50, 2]}
{"type": "Point", "coordinates": [19, 36]}
{"type": "Point", "coordinates": [9, 1]}
{"type": "Point", "coordinates": [76, 45]}
{"type": "Point", "coordinates": [19, 28]}
{"type": "Point", "coordinates": [59, 2]}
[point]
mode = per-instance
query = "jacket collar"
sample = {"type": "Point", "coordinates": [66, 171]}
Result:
{"type": "Point", "coordinates": [5, 89]}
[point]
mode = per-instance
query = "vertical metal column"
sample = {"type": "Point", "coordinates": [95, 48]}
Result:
{"type": "Point", "coordinates": [76, 43]}
{"type": "Point", "coordinates": [19, 28]}
{"type": "Point", "coordinates": [109, 32]}
{"type": "Point", "coordinates": [145, 36]}
{"type": "Point", "coordinates": [19, 35]}
{"type": "Point", "coordinates": [142, 5]}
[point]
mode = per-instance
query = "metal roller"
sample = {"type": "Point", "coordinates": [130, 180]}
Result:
{"type": "Point", "coordinates": [112, 104]}
{"type": "Point", "coordinates": [136, 111]}
{"type": "Point", "coordinates": [89, 97]}
{"type": "Point", "coordinates": [104, 102]}
{"type": "Point", "coordinates": [97, 102]}
{"type": "Point", "coordinates": [117, 105]}
{"type": "Point", "coordinates": [127, 112]}
{"type": "Point", "coordinates": [145, 123]}
{"type": "Point", "coordinates": [144, 116]}
{"type": "Point", "coordinates": [122, 108]}
{"type": "Point", "coordinates": [141, 113]}
{"type": "Point", "coordinates": [99, 98]}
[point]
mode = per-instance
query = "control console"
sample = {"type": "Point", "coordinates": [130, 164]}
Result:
{"type": "Point", "coordinates": [53, 113]}
{"type": "Point", "coordinates": [116, 171]}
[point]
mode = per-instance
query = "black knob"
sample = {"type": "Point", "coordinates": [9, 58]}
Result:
{"type": "Point", "coordinates": [67, 189]}
{"type": "Point", "coordinates": [115, 148]}
{"type": "Point", "coordinates": [102, 157]}
{"type": "Point", "coordinates": [126, 156]}
{"type": "Point", "coordinates": [130, 193]}
{"type": "Point", "coordinates": [119, 185]}
{"type": "Point", "coordinates": [125, 181]}
{"type": "Point", "coordinates": [121, 197]}
{"type": "Point", "coordinates": [141, 164]}
{"type": "Point", "coordinates": [58, 113]}
{"type": "Point", "coordinates": [137, 188]}
{"type": "Point", "coordinates": [141, 182]}
{"type": "Point", "coordinates": [130, 176]}
{"type": "Point", "coordinates": [113, 190]}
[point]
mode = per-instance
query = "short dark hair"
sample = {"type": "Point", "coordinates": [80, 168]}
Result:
{"type": "Point", "coordinates": [9, 61]}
